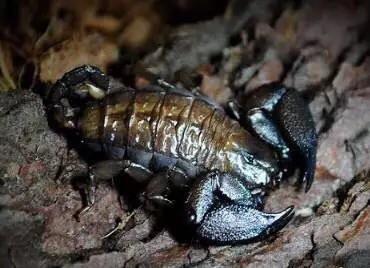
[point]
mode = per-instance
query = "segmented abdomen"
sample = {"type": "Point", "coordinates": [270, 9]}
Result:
{"type": "Point", "coordinates": [173, 124]}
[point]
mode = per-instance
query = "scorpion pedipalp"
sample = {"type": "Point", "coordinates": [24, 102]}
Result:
{"type": "Point", "coordinates": [280, 117]}
{"type": "Point", "coordinates": [235, 223]}
{"type": "Point", "coordinates": [224, 210]}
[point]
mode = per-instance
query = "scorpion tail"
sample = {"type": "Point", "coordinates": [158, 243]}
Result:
{"type": "Point", "coordinates": [235, 223]}
{"type": "Point", "coordinates": [70, 84]}
{"type": "Point", "coordinates": [72, 90]}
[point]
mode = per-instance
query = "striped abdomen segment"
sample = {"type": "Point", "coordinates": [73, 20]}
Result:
{"type": "Point", "coordinates": [169, 123]}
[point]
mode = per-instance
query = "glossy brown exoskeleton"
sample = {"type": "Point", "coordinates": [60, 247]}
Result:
{"type": "Point", "coordinates": [172, 139]}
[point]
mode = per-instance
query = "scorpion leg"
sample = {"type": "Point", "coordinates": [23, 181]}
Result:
{"type": "Point", "coordinates": [223, 211]}
{"type": "Point", "coordinates": [163, 185]}
{"type": "Point", "coordinates": [101, 171]}
{"type": "Point", "coordinates": [107, 170]}
{"type": "Point", "coordinates": [137, 172]}
{"type": "Point", "coordinates": [158, 193]}
{"type": "Point", "coordinates": [280, 117]}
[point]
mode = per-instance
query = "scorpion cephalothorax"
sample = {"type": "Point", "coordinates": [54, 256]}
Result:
{"type": "Point", "coordinates": [171, 139]}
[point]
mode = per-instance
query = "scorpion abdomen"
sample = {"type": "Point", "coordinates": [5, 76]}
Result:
{"type": "Point", "coordinates": [161, 128]}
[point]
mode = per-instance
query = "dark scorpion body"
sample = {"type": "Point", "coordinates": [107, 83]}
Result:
{"type": "Point", "coordinates": [170, 139]}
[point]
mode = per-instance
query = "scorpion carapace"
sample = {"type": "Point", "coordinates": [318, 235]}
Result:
{"type": "Point", "coordinates": [172, 140]}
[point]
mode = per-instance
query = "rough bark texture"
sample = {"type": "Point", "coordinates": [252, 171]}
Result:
{"type": "Point", "coordinates": [319, 47]}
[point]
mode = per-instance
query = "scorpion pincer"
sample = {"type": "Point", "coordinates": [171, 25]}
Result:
{"type": "Point", "coordinates": [171, 139]}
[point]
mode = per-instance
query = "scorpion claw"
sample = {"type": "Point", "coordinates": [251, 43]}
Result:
{"type": "Point", "coordinates": [299, 128]}
{"type": "Point", "coordinates": [307, 178]}
{"type": "Point", "coordinates": [235, 223]}
{"type": "Point", "coordinates": [280, 117]}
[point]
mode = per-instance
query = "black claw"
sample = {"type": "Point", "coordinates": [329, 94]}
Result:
{"type": "Point", "coordinates": [298, 128]}
{"type": "Point", "coordinates": [309, 172]}
{"type": "Point", "coordinates": [235, 223]}
{"type": "Point", "coordinates": [281, 117]}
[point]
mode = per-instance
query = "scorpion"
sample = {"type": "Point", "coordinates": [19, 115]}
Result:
{"type": "Point", "coordinates": [170, 139]}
